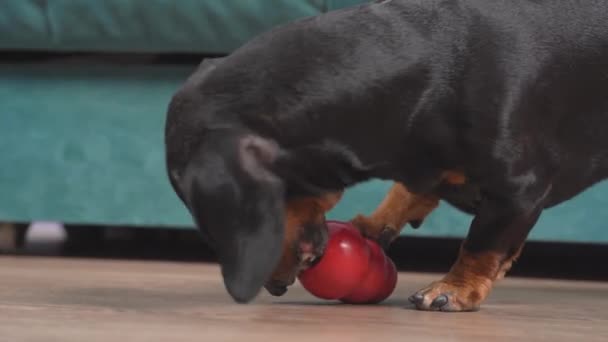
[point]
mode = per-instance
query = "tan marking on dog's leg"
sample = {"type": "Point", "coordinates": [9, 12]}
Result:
{"type": "Point", "coordinates": [468, 283]}
{"type": "Point", "coordinates": [397, 209]}
{"type": "Point", "coordinates": [508, 263]}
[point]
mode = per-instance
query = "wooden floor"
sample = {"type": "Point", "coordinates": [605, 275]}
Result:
{"type": "Point", "coordinates": [90, 300]}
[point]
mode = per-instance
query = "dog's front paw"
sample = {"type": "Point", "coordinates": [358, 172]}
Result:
{"type": "Point", "coordinates": [381, 232]}
{"type": "Point", "coordinates": [452, 296]}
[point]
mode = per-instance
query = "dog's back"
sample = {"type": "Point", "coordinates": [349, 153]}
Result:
{"type": "Point", "coordinates": [538, 70]}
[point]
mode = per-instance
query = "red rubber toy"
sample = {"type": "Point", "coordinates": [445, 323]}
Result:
{"type": "Point", "coordinates": [353, 269]}
{"type": "Point", "coordinates": [343, 265]}
{"type": "Point", "coordinates": [376, 283]}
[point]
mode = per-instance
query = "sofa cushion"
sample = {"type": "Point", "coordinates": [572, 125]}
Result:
{"type": "Point", "coordinates": [201, 26]}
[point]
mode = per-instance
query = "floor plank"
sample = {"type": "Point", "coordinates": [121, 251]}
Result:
{"type": "Point", "coordinates": [47, 299]}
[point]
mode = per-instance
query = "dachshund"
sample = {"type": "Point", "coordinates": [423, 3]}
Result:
{"type": "Point", "coordinates": [499, 108]}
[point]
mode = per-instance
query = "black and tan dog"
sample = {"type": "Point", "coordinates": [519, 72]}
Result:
{"type": "Point", "coordinates": [497, 107]}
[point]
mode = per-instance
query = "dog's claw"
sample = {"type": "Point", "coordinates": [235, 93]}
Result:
{"type": "Point", "coordinates": [439, 302]}
{"type": "Point", "coordinates": [307, 259]}
{"type": "Point", "coordinates": [416, 224]}
{"type": "Point", "coordinates": [386, 237]}
{"type": "Point", "coordinates": [416, 298]}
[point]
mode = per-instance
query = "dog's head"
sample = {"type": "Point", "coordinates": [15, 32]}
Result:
{"type": "Point", "coordinates": [239, 202]}
{"type": "Point", "coordinates": [259, 204]}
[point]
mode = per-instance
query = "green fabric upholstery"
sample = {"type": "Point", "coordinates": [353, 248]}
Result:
{"type": "Point", "coordinates": [85, 144]}
{"type": "Point", "coordinates": [205, 26]}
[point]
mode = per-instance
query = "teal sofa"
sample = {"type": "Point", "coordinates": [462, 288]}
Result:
{"type": "Point", "coordinates": [81, 139]}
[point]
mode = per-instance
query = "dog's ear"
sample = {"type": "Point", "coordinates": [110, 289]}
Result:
{"type": "Point", "coordinates": [238, 204]}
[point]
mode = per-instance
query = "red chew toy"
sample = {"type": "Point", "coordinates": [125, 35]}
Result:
{"type": "Point", "coordinates": [344, 263]}
{"type": "Point", "coordinates": [353, 269]}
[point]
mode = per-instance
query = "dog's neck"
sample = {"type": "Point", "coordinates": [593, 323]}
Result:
{"type": "Point", "coordinates": [329, 97]}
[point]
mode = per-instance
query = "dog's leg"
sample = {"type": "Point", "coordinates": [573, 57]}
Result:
{"type": "Point", "coordinates": [494, 242]}
{"type": "Point", "coordinates": [305, 238]}
{"type": "Point", "coordinates": [400, 207]}
{"type": "Point", "coordinates": [397, 209]}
